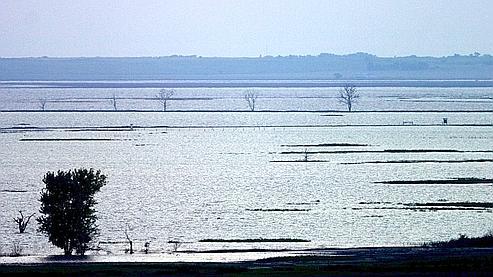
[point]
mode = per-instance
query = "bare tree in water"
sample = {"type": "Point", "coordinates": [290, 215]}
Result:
{"type": "Point", "coordinates": [22, 221]}
{"type": "Point", "coordinates": [129, 240]}
{"type": "Point", "coordinates": [164, 95]}
{"type": "Point", "coordinates": [42, 103]}
{"type": "Point", "coordinates": [348, 95]}
{"type": "Point", "coordinates": [251, 98]}
{"type": "Point", "coordinates": [113, 101]}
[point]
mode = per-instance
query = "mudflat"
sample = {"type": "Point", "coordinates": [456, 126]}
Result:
{"type": "Point", "coordinates": [379, 261]}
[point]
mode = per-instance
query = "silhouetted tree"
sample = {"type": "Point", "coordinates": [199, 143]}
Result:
{"type": "Point", "coordinates": [42, 103]}
{"type": "Point", "coordinates": [348, 95]}
{"type": "Point", "coordinates": [251, 98]}
{"type": "Point", "coordinates": [113, 101]}
{"type": "Point", "coordinates": [67, 205]}
{"type": "Point", "coordinates": [164, 95]}
{"type": "Point", "coordinates": [130, 242]}
{"type": "Point", "coordinates": [22, 222]}
{"type": "Point", "coordinates": [147, 244]}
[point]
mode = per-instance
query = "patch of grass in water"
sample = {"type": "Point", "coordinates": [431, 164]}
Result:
{"type": "Point", "coordinates": [453, 204]}
{"type": "Point", "coordinates": [278, 210]}
{"type": "Point", "coordinates": [430, 206]}
{"type": "Point", "coordinates": [316, 202]}
{"type": "Point", "coordinates": [12, 190]}
{"type": "Point", "coordinates": [464, 241]}
{"type": "Point", "coordinates": [453, 181]}
{"type": "Point", "coordinates": [388, 151]}
{"type": "Point", "coordinates": [425, 209]}
{"type": "Point", "coordinates": [300, 161]}
{"type": "Point", "coordinates": [67, 139]}
{"type": "Point", "coordinates": [423, 161]}
{"type": "Point", "coordinates": [255, 240]}
{"type": "Point", "coordinates": [326, 145]}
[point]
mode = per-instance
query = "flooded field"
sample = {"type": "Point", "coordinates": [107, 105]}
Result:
{"type": "Point", "coordinates": [266, 180]}
{"type": "Point", "coordinates": [28, 97]}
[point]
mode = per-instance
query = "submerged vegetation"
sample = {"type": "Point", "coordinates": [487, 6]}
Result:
{"type": "Point", "coordinates": [255, 240]}
{"type": "Point", "coordinates": [464, 241]}
{"type": "Point", "coordinates": [453, 181]}
{"type": "Point", "coordinates": [326, 145]}
{"type": "Point", "coordinates": [278, 210]}
{"type": "Point", "coordinates": [68, 139]}
{"type": "Point", "coordinates": [428, 206]}
{"type": "Point", "coordinates": [423, 161]}
{"type": "Point", "coordinates": [397, 151]}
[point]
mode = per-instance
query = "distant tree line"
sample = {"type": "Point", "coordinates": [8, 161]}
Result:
{"type": "Point", "coordinates": [323, 66]}
{"type": "Point", "coordinates": [348, 96]}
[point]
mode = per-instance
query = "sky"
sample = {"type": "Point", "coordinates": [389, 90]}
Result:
{"type": "Point", "coordinates": [244, 28]}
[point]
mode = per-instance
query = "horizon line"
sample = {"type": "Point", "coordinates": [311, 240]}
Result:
{"type": "Point", "coordinates": [475, 54]}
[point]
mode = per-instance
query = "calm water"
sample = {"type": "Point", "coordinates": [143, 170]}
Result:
{"type": "Point", "coordinates": [200, 178]}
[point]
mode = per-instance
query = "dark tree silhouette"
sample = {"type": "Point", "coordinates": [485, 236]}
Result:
{"type": "Point", "coordinates": [251, 98]}
{"type": "Point", "coordinates": [22, 221]}
{"type": "Point", "coordinates": [130, 242]}
{"type": "Point", "coordinates": [164, 95]}
{"type": "Point", "coordinates": [113, 102]}
{"type": "Point", "coordinates": [348, 95]}
{"type": "Point", "coordinates": [42, 103]}
{"type": "Point", "coordinates": [67, 208]}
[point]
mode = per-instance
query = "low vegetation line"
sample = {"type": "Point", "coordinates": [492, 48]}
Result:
{"type": "Point", "coordinates": [67, 139]}
{"type": "Point", "coordinates": [278, 210]}
{"type": "Point", "coordinates": [315, 202]}
{"type": "Point", "coordinates": [129, 128]}
{"type": "Point", "coordinates": [300, 161]}
{"type": "Point", "coordinates": [429, 206]}
{"type": "Point", "coordinates": [453, 204]}
{"type": "Point", "coordinates": [12, 190]}
{"type": "Point", "coordinates": [463, 241]}
{"type": "Point", "coordinates": [424, 209]}
{"type": "Point", "coordinates": [326, 145]}
{"type": "Point", "coordinates": [255, 240]}
{"type": "Point", "coordinates": [423, 161]}
{"type": "Point", "coordinates": [454, 181]}
{"type": "Point", "coordinates": [389, 151]}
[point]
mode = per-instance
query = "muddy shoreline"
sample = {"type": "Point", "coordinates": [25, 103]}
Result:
{"type": "Point", "coordinates": [380, 261]}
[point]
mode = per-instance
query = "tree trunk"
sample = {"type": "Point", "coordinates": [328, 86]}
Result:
{"type": "Point", "coordinates": [67, 250]}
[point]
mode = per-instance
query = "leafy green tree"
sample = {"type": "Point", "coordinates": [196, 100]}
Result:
{"type": "Point", "coordinates": [67, 208]}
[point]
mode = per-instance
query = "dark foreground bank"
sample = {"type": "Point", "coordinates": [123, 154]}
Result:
{"type": "Point", "coordinates": [398, 261]}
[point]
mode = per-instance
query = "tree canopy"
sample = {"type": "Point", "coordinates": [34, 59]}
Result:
{"type": "Point", "coordinates": [67, 208]}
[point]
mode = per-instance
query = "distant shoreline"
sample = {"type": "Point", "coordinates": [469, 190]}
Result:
{"type": "Point", "coordinates": [326, 67]}
{"type": "Point", "coordinates": [226, 83]}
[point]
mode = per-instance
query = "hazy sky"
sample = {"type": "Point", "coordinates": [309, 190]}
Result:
{"type": "Point", "coordinates": [244, 27]}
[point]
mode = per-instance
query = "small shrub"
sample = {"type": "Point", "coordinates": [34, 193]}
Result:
{"type": "Point", "coordinates": [464, 241]}
{"type": "Point", "coordinates": [16, 249]}
{"type": "Point", "coordinates": [175, 245]}
{"type": "Point", "coordinates": [146, 246]}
